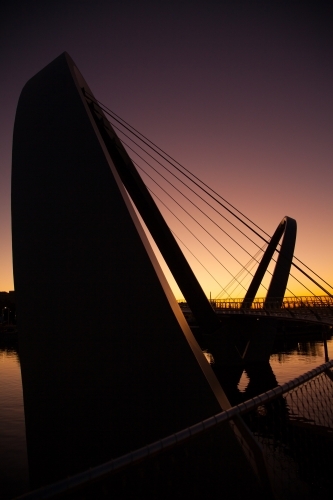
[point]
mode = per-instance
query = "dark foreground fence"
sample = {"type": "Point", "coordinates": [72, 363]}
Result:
{"type": "Point", "coordinates": [295, 429]}
{"type": "Point", "coordinates": [292, 424]}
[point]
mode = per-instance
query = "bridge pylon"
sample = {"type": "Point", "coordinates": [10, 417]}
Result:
{"type": "Point", "coordinates": [98, 381]}
{"type": "Point", "coordinates": [277, 288]}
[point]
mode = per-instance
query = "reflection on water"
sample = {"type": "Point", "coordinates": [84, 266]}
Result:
{"type": "Point", "coordinates": [289, 359]}
{"type": "Point", "coordinates": [13, 454]}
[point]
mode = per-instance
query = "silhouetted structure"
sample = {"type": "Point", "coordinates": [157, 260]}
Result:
{"type": "Point", "coordinates": [278, 284]}
{"type": "Point", "coordinates": [97, 381]}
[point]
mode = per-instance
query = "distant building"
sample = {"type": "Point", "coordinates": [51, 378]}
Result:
{"type": "Point", "coordinates": [7, 307]}
{"type": "Point", "coordinates": [7, 298]}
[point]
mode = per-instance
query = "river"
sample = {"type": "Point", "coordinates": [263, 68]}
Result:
{"type": "Point", "coordinates": [290, 358]}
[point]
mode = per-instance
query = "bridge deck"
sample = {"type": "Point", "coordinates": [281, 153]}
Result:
{"type": "Point", "coordinates": [311, 309]}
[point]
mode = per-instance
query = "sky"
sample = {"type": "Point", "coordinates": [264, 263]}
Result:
{"type": "Point", "coordinates": [238, 92]}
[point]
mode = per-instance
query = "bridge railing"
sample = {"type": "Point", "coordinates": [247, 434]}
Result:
{"type": "Point", "coordinates": [309, 302]}
{"type": "Point", "coordinates": [293, 424]}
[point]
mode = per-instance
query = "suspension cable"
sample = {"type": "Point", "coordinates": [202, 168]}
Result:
{"type": "Point", "coordinates": [208, 205]}
{"type": "Point", "coordinates": [196, 258]}
{"type": "Point", "coordinates": [155, 195]}
{"type": "Point", "coordinates": [188, 199]}
{"type": "Point", "coordinates": [246, 269]}
{"type": "Point", "coordinates": [302, 284]}
{"type": "Point", "coordinates": [165, 156]}
{"type": "Point", "coordinates": [191, 216]}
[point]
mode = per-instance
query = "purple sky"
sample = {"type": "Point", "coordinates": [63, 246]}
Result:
{"type": "Point", "coordinates": [241, 93]}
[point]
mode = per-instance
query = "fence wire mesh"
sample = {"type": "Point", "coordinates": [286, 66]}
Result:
{"type": "Point", "coordinates": [295, 431]}
{"type": "Point", "coordinates": [293, 425]}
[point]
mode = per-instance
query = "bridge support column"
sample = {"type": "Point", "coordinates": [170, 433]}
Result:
{"type": "Point", "coordinates": [99, 380]}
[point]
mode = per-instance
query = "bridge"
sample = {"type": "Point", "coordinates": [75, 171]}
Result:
{"type": "Point", "coordinates": [98, 380]}
{"type": "Point", "coordinates": [312, 309]}
{"type": "Point", "coordinates": [189, 205]}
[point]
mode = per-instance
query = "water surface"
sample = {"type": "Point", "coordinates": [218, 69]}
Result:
{"type": "Point", "coordinates": [290, 358]}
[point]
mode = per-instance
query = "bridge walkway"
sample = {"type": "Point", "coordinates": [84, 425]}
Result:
{"type": "Point", "coordinates": [316, 309]}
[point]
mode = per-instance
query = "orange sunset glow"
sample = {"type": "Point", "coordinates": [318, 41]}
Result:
{"type": "Point", "coordinates": [241, 97]}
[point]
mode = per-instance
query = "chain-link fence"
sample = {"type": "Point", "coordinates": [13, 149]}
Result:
{"type": "Point", "coordinates": [295, 431]}
{"type": "Point", "coordinates": [288, 434]}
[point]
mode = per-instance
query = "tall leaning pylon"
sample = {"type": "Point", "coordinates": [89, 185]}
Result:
{"type": "Point", "coordinates": [102, 374]}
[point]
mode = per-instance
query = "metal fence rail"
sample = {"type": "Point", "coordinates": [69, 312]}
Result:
{"type": "Point", "coordinates": [310, 309]}
{"type": "Point", "coordinates": [295, 431]}
{"type": "Point", "coordinates": [292, 422]}
{"type": "Point", "coordinates": [321, 301]}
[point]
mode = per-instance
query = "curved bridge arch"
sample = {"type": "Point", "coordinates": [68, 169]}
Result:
{"type": "Point", "coordinates": [278, 284]}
